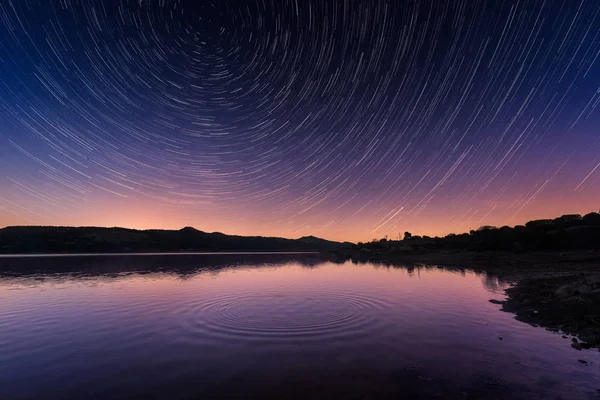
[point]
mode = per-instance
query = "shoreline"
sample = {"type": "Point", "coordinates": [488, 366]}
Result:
{"type": "Point", "coordinates": [559, 291]}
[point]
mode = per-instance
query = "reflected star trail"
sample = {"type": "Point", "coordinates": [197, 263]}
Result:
{"type": "Point", "coordinates": [344, 119]}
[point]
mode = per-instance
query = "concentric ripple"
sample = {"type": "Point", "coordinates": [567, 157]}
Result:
{"type": "Point", "coordinates": [255, 316]}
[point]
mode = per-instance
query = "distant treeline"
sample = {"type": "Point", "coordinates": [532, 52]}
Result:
{"type": "Point", "coordinates": [568, 232]}
{"type": "Point", "coordinates": [44, 240]}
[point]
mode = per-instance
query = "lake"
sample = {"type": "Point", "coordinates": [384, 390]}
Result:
{"type": "Point", "coordinates": [270, 326]}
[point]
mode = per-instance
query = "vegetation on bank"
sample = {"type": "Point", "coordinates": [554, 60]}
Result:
{"type": "Point", "coordinates": [568, 232]}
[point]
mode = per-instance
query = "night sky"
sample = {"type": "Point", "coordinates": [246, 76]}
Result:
{"type": "Point", "coordinates": [346, 119]}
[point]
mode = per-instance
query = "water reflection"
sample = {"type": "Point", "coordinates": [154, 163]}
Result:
{"type": "Point", "coordinates": [29, 270]}
{"type": "Point", "coordinates": [32, 271]}
{"type": "Point", "coordinates": [269, 326]}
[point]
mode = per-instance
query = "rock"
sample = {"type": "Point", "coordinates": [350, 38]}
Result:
{"type": "Point", "coordinates": [500, 338]}
{"type": "Point", "coordinates": [414, 367]}
{"type": "Point", "coordinates": [583, 288]}
{"type": "Point", "coordinates": [494, 381]}
{"type": "Point", "coordinates": [576, 345]}
{"type": "Point", "coordinates": [563, 291]}
{"type": "Point", "coordinates": [576, 299]}
{"type": "Point", "coordinates": [574, 340]}
{"type": "Point", "coordinates": [582, 361]}
{"type": "Point", "coordinates": [494, 301]}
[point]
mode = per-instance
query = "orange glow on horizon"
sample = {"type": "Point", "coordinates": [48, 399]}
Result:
{"type": "Point", "coordinates": [358, 229]}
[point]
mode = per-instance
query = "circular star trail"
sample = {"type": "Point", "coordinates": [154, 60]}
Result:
{"type": "Point", "coordinates": [345, 119]}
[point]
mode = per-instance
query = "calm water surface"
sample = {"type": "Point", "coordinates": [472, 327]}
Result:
{"type": "Point", "coordinates": [270, 326]}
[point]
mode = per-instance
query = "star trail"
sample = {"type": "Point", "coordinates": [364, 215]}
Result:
{"type": "Point", "coordinates": [345, 119]}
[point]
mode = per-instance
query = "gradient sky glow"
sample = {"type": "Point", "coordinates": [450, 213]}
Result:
{"type": "Point", "coordinates": [347, 120]}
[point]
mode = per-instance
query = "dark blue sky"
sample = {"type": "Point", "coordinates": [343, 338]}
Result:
{"type": "Point", "coordinates": [343, 119]}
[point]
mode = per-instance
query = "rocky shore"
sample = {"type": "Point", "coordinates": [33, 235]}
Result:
{"type": "Point", "coordinates": [568, 303]}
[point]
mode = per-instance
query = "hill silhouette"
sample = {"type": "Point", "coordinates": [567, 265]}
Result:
{"type": "Point", "coordinates": [44, 240]}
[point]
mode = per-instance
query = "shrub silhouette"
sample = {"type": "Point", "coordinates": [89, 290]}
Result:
{"type": "Point", "coordinates": [567, 232]}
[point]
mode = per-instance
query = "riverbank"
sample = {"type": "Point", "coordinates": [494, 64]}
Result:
{"type": "Point", "coordinates": [559, 291]}
{"type": "Point", "coordinates": [568, 302]}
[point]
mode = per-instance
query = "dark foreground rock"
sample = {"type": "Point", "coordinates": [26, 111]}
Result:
{"type": "Point", "coordinates": [569, 303]}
